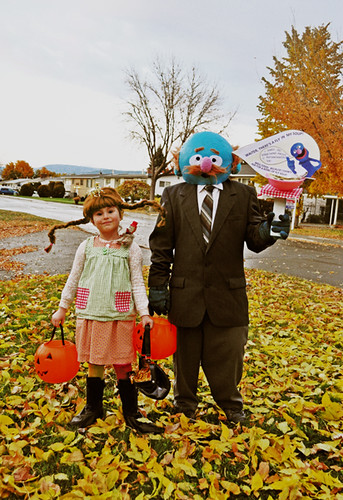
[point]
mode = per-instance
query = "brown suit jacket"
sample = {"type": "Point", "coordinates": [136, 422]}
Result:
{"type": "Point", "coordinates": [206, 278]}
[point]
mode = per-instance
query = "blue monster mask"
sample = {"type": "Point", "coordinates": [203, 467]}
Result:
{"type": "Point", "coordinates": [299, 152]}
{"type": "Point", "coordinates": [205, 158]}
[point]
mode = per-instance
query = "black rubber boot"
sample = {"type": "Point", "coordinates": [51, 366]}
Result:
{"type": "Point", "coordinates": [129, 399]}
{"type": "Point", "coordinates": [93, 409]}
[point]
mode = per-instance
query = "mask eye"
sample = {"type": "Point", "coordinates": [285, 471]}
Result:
{"type": "Point", "coordinates": [195, 159]}
{"type": "Point", "coordinates": [217, 160]}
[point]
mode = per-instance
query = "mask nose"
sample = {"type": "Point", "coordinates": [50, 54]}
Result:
{"type": "Point", "coordinates": [206, 164]}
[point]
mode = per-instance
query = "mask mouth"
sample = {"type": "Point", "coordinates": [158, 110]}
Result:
{"type": "Point", "coordinates": [197, 172]}
{"type": "Point", "coordinates": [301, 154]}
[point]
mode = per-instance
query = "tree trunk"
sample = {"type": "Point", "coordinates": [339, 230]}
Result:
{"type": "Point", "coordinates": [152, 188]}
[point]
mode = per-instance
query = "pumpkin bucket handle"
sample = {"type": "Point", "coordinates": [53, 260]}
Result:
{"type": "Point", "coordinates": [158, 386]}
{"type": "Point", "coordinates": [62, 334]}
{"type": "Point", "coordinates": [146, 347]}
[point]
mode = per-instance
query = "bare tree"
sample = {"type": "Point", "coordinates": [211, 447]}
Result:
{"type": "Point", "coordinates": [167, 107]}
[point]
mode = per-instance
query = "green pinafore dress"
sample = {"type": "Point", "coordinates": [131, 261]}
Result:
{"type": "Point", "coordinates": [104, 307]}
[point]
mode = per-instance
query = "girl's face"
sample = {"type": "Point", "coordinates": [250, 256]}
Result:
{"type": "Point", "coordinates": [107, 220]}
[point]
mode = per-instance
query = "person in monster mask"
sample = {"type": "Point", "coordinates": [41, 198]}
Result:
{"type": "Point", "coordinates": [197, 274]}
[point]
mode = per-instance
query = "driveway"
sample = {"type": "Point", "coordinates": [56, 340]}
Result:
{"type": "Point", "coordinates": [319, 260]}
{"type": "Point", "coordinates": [65, 212]}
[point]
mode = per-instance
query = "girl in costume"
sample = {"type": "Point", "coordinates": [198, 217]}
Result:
{"type": "Point", "coordinates": [107, 279]}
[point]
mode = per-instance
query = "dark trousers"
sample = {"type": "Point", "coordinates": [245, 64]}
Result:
{"type": "Point", "coordinates": [220, 352]}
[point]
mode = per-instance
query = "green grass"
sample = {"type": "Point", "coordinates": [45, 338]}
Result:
{"type": "Point", "coordinates": [23, 218]}
{"type": "Point", "coordinates": [69, 201]}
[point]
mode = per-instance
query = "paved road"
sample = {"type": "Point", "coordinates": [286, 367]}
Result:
{"type": "Point", "coordinates": [318, 261]}
{"type": "Point", "coordinates": [65, 212]}
{"type": "Point", "coordinates": [311, 258]}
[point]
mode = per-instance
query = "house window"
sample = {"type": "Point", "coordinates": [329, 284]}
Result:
{"type": "Point", "coordinates": [164, 184]}
{"type": "Point", "coordinates": [89, 183]}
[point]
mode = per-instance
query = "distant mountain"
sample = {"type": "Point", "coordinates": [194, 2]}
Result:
{"type": "Point", "coordinates": [79, 170]}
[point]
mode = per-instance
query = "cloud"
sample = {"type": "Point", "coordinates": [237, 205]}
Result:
{"type": "Point", "coordinates": [49, 121]}
{"type": "Point", "coordinates": [62, 67]}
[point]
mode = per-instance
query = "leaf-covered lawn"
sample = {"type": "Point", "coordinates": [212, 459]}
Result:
{"type": "Point", "coordinates": [6, 254]}
{"type": "Point", "coordinates": [18, 224]}
{"type": "Point", "coordinates": [335, 233]}
{"type": "Point", "coordinates": [290, 447]}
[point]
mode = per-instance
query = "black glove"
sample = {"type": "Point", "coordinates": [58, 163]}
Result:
{"type": "Point", "coordinates": [159, 299]}
{"type": "Point", "coordinates": [282, 226]}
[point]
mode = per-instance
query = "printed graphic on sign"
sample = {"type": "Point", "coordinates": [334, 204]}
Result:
{"type": "Point", "coordinates": [287, 158]}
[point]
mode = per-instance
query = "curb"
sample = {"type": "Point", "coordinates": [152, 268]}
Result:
{"type": "Point", "coordinates": [317, 240]}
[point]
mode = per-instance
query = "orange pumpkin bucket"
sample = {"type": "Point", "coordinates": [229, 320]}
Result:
{"type": "Point", "coordinates": [162, 339]}
{"type": "Point", "coordinates": [56, 360]}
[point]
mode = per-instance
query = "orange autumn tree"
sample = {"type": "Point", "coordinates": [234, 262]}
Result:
{"type": "Point", "coordinates": [19, 170]}
{"type": "Point", "coordinates": [305, 93]}
{"type": "Point", "coordinates": [44, 172]}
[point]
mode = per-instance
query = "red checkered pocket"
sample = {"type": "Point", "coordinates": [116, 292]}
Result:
{"type": "Point", "coordinates": [81, 298]}
{"type": "Point", "coordinates": [122, 301]}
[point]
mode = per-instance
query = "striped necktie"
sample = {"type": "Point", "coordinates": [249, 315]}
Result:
{"type": "Point", "coordinates": [206, 213]}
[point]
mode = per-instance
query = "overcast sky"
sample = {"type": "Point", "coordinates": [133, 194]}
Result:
{"type": "Point", "coordinates": [62, 67]}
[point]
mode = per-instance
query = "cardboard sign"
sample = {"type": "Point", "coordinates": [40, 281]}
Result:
{"type": "Point", "coordinates": [290, 156]}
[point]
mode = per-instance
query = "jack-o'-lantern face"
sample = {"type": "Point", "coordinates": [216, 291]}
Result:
{"type": "Point", "coordinates": [162, 339]}
{"type": "Point", "coordinates": [56, 362]}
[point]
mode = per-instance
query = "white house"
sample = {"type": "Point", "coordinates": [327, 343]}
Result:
{"type": "Point", "coordinates": [80, 185]}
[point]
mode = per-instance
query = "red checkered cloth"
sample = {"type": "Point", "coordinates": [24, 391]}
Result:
{"type": "Point", "coordinates": [122, 301]}
{"type": "Point", "coordinates": [81, 297]}
{"type": "Point", "coordinates": [271, 191]}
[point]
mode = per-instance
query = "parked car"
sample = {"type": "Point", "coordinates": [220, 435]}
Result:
{"type": "Point", "coordinates": [6, 190]}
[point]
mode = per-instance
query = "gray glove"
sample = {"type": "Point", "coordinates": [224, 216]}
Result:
{"type": "Point", "coordinates": [159, 299]}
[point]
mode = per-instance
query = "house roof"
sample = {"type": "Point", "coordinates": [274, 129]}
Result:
{"type": "Point", "coordinates": [128, 175]}
{"type": "Point", "coordinates": [246, 171]}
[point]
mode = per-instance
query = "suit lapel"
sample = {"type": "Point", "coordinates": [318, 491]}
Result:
{"type": "Point", "coordinates": [189, 200]}
{"type": "Point", "coordinates": [227, 200]}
